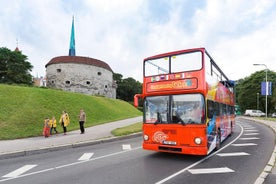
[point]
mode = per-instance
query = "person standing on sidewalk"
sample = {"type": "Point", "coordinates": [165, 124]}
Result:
{"type": "Point", "coordinates": [82, 120]}
{"type": "Point", "coordinates": [64, 121]}
{"type": "Point", "coordinates": [53, 123]}
{"type": "Point", "coordinates": [46, 128]}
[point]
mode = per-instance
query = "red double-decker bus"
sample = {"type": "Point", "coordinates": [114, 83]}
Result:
{"type": "Point", "coordinates": [188, 103]}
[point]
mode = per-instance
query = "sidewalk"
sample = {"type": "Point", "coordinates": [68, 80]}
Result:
{"type": "Point", "coordinates": [268, 176]}
{"type": "Point", "coordinates": [93, 135]}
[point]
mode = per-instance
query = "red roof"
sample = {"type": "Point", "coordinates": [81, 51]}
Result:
{"type": "Point", "coordinates": [79, 60]}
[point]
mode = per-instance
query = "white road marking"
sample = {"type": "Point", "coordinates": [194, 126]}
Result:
{"type": "Point", "coordinates": [86, 156]}
{"type": "Point", "coordinates": [200, 161]}
{"type": "Point", "coordinates": [249, 138]}
{"type": "Point", "coordinates": [211, 170]}
{"type": "Point", "coordinates": [248, 127]}
{"type": "Point", "coordinates": [233, 154]}
{"type": "Point", "coordinates": [71, 164]}
{"type": "Point", "coordinates": [19, 171]}
{"type": "Point", "coordinates": [245, 144]}
{"type": "Point", "coordinates": [126, 147]}
{"type": "Point", "coordinates": [251, 130]}
{"type": "Point", "coordinates": [252, 134]}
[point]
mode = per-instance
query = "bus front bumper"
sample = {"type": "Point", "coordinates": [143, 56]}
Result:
{"type": "Point", "coordinates": [189, 150]}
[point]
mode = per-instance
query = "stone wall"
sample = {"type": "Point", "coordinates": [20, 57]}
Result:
{"type": "Point", "coordinates": [81, 78]}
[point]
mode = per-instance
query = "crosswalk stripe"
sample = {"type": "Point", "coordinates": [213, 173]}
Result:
{"type": "Point", "coordinates": [19, 171]}
{"type": "Point", "coordinates": [248, 127]}
{"type": "Point", "coordinates": [252, 134]}
{"type": "Point", "coordinates": [233, 154]}
{"type": "Point", "coordinates": [86, 156]}
{"type": "Point", "coordinates": [251, 130]}
{"type": "Point", "coordinates": [249, 138]}
{"type": "Point", "coordinates": [245, 144]}
{"type": "Point", "coordinates": [211, 170]}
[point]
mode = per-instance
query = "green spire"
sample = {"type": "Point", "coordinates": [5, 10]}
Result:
{"type": "Point", "coordinates": [72, 51]}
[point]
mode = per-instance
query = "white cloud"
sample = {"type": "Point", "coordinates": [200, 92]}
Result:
{"type": "Point", "coordinates": [122, 33]}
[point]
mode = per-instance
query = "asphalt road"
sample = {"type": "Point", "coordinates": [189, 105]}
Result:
{"type": "Point", "coordinates": [241, 160]}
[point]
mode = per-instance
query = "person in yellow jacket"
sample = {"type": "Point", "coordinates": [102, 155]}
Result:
{"type": "Point", "coordinates": [53, 125]}
{"type": "Point", "coordinates": [64, 121]}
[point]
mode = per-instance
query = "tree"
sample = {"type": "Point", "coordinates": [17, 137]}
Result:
{"type": "Point", "coordinates": [127, 88]}
{"type": "Point", "coordinates": [14, 67]}
{"type": "Point", "coordinates": [247, 89]}
{"type": "Point", "coordinates": [117, 77]}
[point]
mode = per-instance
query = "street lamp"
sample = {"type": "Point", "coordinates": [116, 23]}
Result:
{"type": "Point", "coordinates": [257, 101]}
{"type": "Point", "coordinates": [266, 87]}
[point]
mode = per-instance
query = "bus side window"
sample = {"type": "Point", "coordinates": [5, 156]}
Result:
{"type": "Point", "coordinates": [210, 109]}
{"type": "Point", "coordinates": [216, 107]}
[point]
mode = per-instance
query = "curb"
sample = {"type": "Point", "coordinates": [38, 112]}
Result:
{"type": "Point", "coordinates": [66, 146]}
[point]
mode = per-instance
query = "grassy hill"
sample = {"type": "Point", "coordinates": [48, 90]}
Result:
{"type": "Point", "coordinates": [23, 109]}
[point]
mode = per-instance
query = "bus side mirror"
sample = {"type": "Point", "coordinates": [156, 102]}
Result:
{"type": "Point", "coordinates": [136, 100]}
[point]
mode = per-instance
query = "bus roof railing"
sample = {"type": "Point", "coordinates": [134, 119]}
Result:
{"type": "Point", "coordinates": [217, 67]}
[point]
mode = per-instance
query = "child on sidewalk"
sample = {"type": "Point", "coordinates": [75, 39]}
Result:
{"type": "Point", "coordinates": [46, 128]}
{"type": "Point", "coordinates": [53, 125]}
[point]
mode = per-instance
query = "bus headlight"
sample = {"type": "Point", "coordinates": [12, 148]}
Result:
{"type": "Point", "coordinates": [198, 140]}
{"type": "Point", "coordinates": [146, 137]}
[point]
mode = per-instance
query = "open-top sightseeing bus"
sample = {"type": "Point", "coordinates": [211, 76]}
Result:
{"type": "Point", "coordinates": [188, 103]}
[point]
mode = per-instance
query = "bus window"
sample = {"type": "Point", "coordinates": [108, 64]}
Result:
{"type": "Point", "coordinates": [156, 109]}
{"type": "Point", "coordinates": [156, 67]}
{"type": "Point", "coordinates": [210, 109]}
{"type": "Point", "coordinates": [184, 109]}
{"type": "Point", "coordinates": [188, 108]}
{"type": "Point", "coordinates": [216, 109]}
{"type": "Point", "coordinates": [224, 110]}
{"type": "Point", "coordinates": [186, 62]}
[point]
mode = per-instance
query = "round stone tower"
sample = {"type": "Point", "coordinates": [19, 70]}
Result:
{"type": "Point", "coordinates": [82, 75]}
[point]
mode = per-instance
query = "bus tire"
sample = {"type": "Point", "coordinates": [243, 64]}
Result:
{"type": "Point", "coordinates": [232, 129]}
{"type": "Point", "coordinates": [218, 141]}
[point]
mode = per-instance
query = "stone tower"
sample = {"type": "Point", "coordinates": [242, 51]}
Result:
{"type": "Point", "coordinates": [80, 74]}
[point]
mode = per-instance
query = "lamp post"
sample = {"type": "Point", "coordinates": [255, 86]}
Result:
{"type": "Point", "coordinates": [266, 87]}
{"type": "Point", "coordinates": [257, 101]}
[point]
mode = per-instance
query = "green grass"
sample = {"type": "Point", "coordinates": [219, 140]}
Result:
{"type": "Point", "coordinates": [268, 118]}
{"type": "Point", "coordinates": [23, 109]}
{"type": "Point", "coordinates": [137, 127]}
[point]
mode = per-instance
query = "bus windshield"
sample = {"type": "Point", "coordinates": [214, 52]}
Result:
{"type": "Point", "coordinates": [175, 109]}
{"type": "Point", "coordinates": [190, 61]}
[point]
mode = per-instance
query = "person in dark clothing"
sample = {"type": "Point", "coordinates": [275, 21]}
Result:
{"type": "Point", "coordinates": [82, 120]}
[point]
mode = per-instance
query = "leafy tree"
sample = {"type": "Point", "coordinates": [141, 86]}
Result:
{"type": "Point", "coordinates": [247, 89]}
{"type": "Point", "coordinates": [118, 77]}
{"type": "Point", "coordinates": [14, 67]}
{"type": "Point", "coordinates": [127, 88]}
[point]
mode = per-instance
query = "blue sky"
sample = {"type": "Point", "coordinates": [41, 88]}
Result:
{"type": "Point", "coordinates": [237, 33]}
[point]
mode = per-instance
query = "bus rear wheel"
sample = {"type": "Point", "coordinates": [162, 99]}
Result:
{"type": "Point", "coordinates": [218, 141]}
{"type": "Point", "coordinates": [232, 129]}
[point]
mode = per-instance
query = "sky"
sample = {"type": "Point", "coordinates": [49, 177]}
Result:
{"type": "Point", "coordinates": [236, 33]}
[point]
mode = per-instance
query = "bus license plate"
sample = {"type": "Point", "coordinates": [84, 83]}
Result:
{"type": "Point", "coordinates": [169, 142]}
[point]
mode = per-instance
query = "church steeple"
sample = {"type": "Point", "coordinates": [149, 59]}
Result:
{"type": "Point", "coordinates": [17, 49]}
{"type": "Point", "coordinates": [72, 51]}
